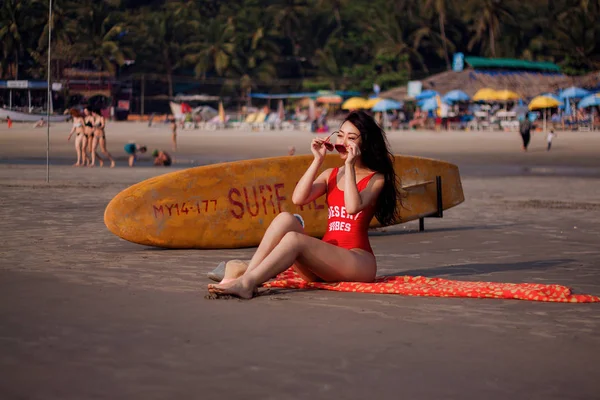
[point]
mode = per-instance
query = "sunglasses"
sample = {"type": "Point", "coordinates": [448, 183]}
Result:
{"type": "Point", "coordinates": [330, 146]}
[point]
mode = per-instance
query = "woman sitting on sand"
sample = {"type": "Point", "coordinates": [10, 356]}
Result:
{"type": "Point", "coordinates": [80, 138]}
{"type": "Point", "coordinates": [364, 187]}
{"type": "Point", "coordinates": [100, 139]}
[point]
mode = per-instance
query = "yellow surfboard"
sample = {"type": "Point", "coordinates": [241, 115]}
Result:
{"type": "Point", "coordinates": [230, 205]}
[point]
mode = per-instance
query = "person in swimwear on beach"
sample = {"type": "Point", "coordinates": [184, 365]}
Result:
{"type": "Point", "coordinates": [364, 187]}
{"type": "Point", "coordinates": [100, 139]}
{"type": "Point", "coordinates": [80, 138]}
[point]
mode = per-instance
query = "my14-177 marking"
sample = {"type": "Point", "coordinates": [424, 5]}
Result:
{"type": "Point", "coordinates": [178, 209]}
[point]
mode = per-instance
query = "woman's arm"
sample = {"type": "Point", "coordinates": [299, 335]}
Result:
{"type": "Point", "coordinates": [72, 130]}
{"type": "Point", "coordinates": [309, 188]}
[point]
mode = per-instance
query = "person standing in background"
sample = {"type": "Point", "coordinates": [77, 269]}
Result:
{"type": "Point", "coordinates": [549, 138]}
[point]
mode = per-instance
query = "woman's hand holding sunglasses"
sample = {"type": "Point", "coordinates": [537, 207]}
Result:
{"type": "Point", "coordinates": [318, 148]}
{"type": "Point", "coordinates": [353, 153]}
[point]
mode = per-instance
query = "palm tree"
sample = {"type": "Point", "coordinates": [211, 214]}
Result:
{"type": "Point", "coordinates": [213, 47]}
{"type": "Point", "coordinates": [19, 21]}
{"type": "Point", "coordinates": [488, 17]}
{"type": "Point", "coordinates": [395, 42]}
{"type": "Point", "coordinates": [159, 38]}
{"type": "Point", "coordinates": [288, 15]}
{"type": "Point", "coordinates": [99, 29]}
{"type": "Point", "coordinates": [254, 61]}
{"type": "Point", "coordinates": [441, 10]}
{"type": "Point", "coordinates": [336, 7]}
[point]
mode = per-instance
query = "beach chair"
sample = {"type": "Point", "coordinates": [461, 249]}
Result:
{"type": "Point", "coordinates": [585, 125]}
{"type": "Point", "coordinates": [247, 123]}
{"type": "Point", "coordinates": [273, 121]}
{"type": "Point", "coordinates": [259, 122]}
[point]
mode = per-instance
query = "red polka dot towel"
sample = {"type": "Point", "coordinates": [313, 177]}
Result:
{"type": "Point", "coordinates": [438, 287]}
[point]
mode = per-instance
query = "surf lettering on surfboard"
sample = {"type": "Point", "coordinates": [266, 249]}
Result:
{"type": "Point", "coordinates": [252, 201]}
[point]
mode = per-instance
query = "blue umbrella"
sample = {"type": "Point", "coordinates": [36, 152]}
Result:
{"type": "Point", "coordinates": [426, 94]}
{"type": "Point", "coordinates": [590, 101]}
{"type": "Point", "coordinates": [567, 107]}
{"type": "Point", "coordinates": [573, 93]}
{"type": "Point", "coordinates": [455, 95]}
{"type": "Point", "coordinates": [430, 104]}
{"type": "Point", "coordinates": [386, 104]}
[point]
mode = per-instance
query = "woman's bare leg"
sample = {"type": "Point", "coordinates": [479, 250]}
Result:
{"type": "Point", "coordinates": [94, 151]}
{"type": "Point", "coordinates": [84, 148]}
{"type": "Point", "coordinates": [78, 150]}
{"type": "Point", "coordinates": [105, 152]}
{"type": "Point", "coordinates": [89, 149]}
{"type": "Point", "coordinates": [281, 225]}
{"type": "Point", "coordinates": [329, 262]}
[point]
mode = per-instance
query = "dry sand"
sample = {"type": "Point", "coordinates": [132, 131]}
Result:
{"type": "Point", "coordinates": [84, 314]}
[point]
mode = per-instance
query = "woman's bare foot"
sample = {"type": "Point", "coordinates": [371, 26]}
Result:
{"type": "Point", "coordinates": [233, 288]}
{"type": "Point", "coordinates": [76, 165]}
{"type": "Point", "coordinates": [112, 163]}
{"type": "Point", "coordinates": [233, 270]}
{"type": "Point", "coordinates": [101, 163]}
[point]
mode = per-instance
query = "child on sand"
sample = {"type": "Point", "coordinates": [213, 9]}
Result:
{"type": "Point", "coordinates": [549, 138]}
{"type": "Point", "coordinates": [133, 149]}
{"type": "Point", "coordinates": [162, 158]}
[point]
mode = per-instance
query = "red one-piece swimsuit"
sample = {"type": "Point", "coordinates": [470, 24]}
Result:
{"type": "Point", "coordinates": [344, 230]}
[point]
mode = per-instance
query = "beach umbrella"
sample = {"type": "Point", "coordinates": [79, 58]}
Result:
{"type": "Point", "coordinates": [506, 95]}
{"type": "Point", "coordinates": [221, 112]}
{"type": "Point", "coordinates": [354, 103]}
{"type": "Point", "coordinates": [312, 111]}
{"type": "Point", "coordinates": [485, 94]}
{"type": "Point", "coordinates": [280, 110]}
{"type": "Point", "coordinates": [430, 104]}
{"type": "Point", "coordinates": [551, 95]}
{"type": "Point", "coordinates": [426, 94]}
{"type": "Point", "coordinates": [541, 102]}
{"type": "Point", "coordinates": [455, 95]}
{"type": "Point", "coordinates": [573, 93]}
{"type": "Point", "coordinates": [589, 101]}
{"type": "Point", "coordinates": [370, 103]}
{"type": "Point", "coordinates": [567, 106]}
{"type": "Point", "coordinates": [387, 104]}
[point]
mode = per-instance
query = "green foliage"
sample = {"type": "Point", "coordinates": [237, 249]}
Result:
{"type": "Point", "coordinates": [249, 45]}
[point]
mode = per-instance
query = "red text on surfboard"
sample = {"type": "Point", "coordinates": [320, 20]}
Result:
{"type": "Point", "coordinates": [185, 208]}
{"type": "Point", "coordinates": [261, 200]}
{"type": "Point", "coordinates": [254, 199]}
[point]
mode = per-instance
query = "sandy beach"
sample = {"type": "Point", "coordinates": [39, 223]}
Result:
{"type": "Point", "coordinates": [84, 314]}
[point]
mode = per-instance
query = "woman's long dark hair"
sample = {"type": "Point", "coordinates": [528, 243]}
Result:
{"type": "Point", "coordinates": [376, 156]}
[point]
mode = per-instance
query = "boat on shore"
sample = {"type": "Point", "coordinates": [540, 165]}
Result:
{"type": "Point", "coordinates": [18, 116]}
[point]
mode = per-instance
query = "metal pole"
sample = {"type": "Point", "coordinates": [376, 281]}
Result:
{"type": "Point", "coordinates": [143, 90]}
{"type": "Point", "coordinates": [49, 93]}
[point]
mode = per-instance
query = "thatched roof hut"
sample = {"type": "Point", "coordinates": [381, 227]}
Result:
{"type": "Point", "coordinates": [528, 83]}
